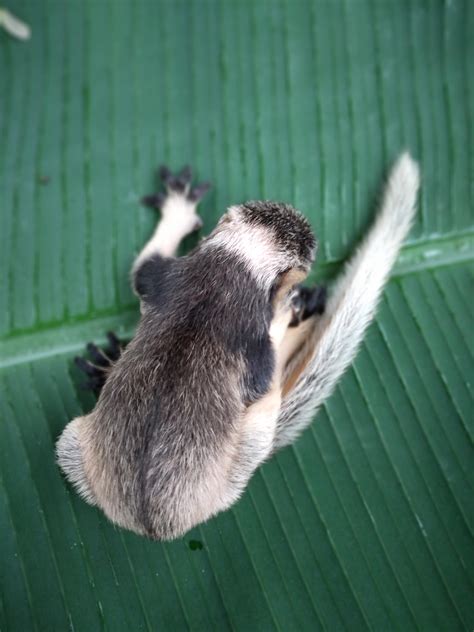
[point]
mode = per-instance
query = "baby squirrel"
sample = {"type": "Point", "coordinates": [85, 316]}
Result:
{"type": "Point", "coordinates": [230, 359]}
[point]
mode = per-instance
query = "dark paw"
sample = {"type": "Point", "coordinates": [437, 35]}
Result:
{"type": "Point", "coordinates": [307, 302]}
{"type": "Point", "coordinates": [101, 360]}
{"type": "Point", "coordinates": [180, 184]}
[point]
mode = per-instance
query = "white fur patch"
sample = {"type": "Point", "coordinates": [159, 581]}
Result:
{"type": "Point", "coordinates": [254, 245]}
{"type": "Point", "coordinates": [178, 219]}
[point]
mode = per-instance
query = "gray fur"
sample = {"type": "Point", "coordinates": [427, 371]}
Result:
{"type": "Point", "coordinates": [164, 447]}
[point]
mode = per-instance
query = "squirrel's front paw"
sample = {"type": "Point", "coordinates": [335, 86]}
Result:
{"type": "Point", "coordinates": [180, 200]}
{"type": "Point", "coordinates": [102, 360]}
{"type": "Point", "coordinates": [307, 302]}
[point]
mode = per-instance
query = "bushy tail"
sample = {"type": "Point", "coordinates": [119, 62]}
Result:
{"type": "Point", "coordinates": [335, 338]}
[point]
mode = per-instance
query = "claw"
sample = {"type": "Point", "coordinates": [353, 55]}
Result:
{"type": "Point", "coordinates": [165, 174]}
{"type": "Point", "coordinates": [115, 348]}
{"type": "Point", "coordinates": [307, 302]}
{"type": "Point", "coordinates": [199, 191]}
{"type": "Point", "coordinates": [155, 200]}
{"type": "Point", "coordinates": [179, 184]}
{"type": "Point", "coordinates": [97, 354]}
{"type": "Point", "coordinates": [113, 339]}
{"type": "Point", "coordinates": [97, 370]}
{"type": "Point", "coordinates": [85, 366]}
{"type": "Point", "coordinates": [315, 301]}
{"type": "Point", "coordinates": [184, 177]}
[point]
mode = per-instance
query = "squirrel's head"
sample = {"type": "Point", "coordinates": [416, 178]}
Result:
{"type": "Point", "coordinates": [272, 237]}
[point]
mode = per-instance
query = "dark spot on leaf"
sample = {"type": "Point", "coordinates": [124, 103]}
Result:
{"type": "Point", "coordinates": [44, 179]}
{"type": "Point", "coordinates": [195, 545]}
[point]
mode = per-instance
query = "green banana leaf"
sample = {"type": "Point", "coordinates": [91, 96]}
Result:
{"type": "Point", "coordinates": [366, 522]}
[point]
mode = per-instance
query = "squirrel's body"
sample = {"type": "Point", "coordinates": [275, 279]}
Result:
{"type": "Point", "coordinates": [214, 381]}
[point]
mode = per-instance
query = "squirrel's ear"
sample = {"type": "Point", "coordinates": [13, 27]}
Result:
{"type": "Point", "coordinates": [225, 219]}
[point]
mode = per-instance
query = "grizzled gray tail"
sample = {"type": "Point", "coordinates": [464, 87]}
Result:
{"type": "Point", "coordinates": [334, 340]}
